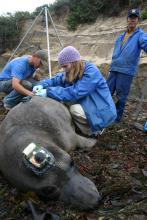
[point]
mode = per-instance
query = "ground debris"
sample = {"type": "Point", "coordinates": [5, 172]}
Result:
{"type": "Point", "coordinates": [119, 172]}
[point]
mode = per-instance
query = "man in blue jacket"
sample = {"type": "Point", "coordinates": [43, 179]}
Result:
{"type": "Point", "coordinates": [84, 89]}
{"type": "Point", "coordinates": [125, 60]}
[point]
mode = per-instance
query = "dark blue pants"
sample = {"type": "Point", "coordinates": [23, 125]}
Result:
{"type": "Point", "coordinates": [119, 83]}
{"type": "Point", "coordinates": [13, 97]}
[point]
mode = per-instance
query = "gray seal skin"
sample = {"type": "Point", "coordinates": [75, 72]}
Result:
{"type": "Point", "coordinates": [47, 123]}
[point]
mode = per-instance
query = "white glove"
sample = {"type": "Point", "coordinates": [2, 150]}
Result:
{"type": "Point", "coordinates": [37, 88]}
{"type": "Point", "coordinates": [41, 92]}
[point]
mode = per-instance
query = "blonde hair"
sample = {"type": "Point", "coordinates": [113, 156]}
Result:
{"type": "Point", "coordinates": [76, 72]}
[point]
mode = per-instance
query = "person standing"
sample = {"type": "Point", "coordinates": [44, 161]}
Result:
{"type": "Point", "coordinates": [125, 60]}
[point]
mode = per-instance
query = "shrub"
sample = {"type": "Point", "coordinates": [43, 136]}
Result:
{"type": "Point", "coordinates": [58, 4]}
{"type": "Point", "coordinates": [23, 15]}
{"type": "Point", "coordinates": [11, 28]}
{"type": "Point", "coordinates": [38, 10]}
{"type": "Point", "coordinates": [144, 15]}
{"type": "Point", "coordinates": [87, 11]}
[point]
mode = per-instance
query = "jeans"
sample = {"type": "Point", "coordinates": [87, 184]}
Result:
{"type": "Point", "coordinates": [13, 97]}
{"type": "Point", "coordinates": [121, 84]}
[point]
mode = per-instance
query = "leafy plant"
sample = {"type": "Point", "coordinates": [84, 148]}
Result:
{"type": "Point", "coordinates": [87, 11]}
{"type": "Point", "coordinates": [11, 28]}
{"type": "Point", "coordinates": [144, 15]}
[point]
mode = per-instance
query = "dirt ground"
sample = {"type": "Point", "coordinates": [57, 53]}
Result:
{"type": "Point", "coordinates": [117, 165]}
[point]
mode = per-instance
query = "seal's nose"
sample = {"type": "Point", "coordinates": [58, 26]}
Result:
{"type": "Point", "coordinates": [81, 192]}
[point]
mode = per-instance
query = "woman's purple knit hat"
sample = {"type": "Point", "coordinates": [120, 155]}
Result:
{"type": "Point", "coordinates": [68, 55]}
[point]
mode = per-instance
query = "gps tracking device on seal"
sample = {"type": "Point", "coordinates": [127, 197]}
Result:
{"type": "Point", "coordinates": [38, 159]}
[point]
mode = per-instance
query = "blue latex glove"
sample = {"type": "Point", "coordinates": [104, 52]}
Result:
{"type": "Point", "coordinates": [41, 92]}
{"type": "Point", "coordinates": [37, 88]}
{"type": "Point", "coordinates": [145, 126]}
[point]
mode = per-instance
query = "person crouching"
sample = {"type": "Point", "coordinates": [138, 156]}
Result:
{"type": "Point", "coordinates": [84, 89]}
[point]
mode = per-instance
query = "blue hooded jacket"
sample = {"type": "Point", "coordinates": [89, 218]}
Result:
{"type": "Point", "coordinates": [91, 91]}
{"type": "Point", "coordinates": [125, 58]}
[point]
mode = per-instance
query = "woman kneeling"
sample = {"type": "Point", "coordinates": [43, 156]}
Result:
{"type": "Point", "coordinates": [83, 88]}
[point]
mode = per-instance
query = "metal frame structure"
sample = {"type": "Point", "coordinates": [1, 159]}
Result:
{"type": "Point", "coordinates": [47, 14]}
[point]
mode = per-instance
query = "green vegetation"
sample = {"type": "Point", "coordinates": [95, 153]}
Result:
{"type": "Point", "coordinates": [79, 12]}
{"type": "Point", "coordinates": [59, 4]}
{"type": "Point", "coordinates": [144, 15]}
{"type": "Point", "coordinates": [38, 10]}
{"type": "Point", "coordinates": [84, 11]}
{"type": "Point", "coordinates": [87, 11]}
{"type": "Point", "coordinates": [11, 27]}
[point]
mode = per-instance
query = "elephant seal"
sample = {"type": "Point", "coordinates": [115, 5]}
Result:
{"type": "Point", "coordinates": [48, 124]}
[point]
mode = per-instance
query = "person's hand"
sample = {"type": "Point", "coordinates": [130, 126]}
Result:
{"type": "Point", "coordinates": [37, 88]}
{"type": "Point", "coordinates": [41, 92]}
{"type": "Point", "coordinates": [29, 93]}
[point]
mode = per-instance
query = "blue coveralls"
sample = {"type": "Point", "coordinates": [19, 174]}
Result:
{"type": "Point", "coordinates": [124, 66]}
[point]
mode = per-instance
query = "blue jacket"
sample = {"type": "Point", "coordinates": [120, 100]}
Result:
{"type": "Point", "coordinates": [125, 59]}
{"type": "Point", "coordinates": [91, 91]}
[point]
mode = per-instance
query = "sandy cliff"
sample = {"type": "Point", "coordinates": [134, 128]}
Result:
{"type": "Point", "coordinates": [95, 41]}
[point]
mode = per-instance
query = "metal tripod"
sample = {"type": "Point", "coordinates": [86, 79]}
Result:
{"type": "Point", "coordinates": [47, 14]}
